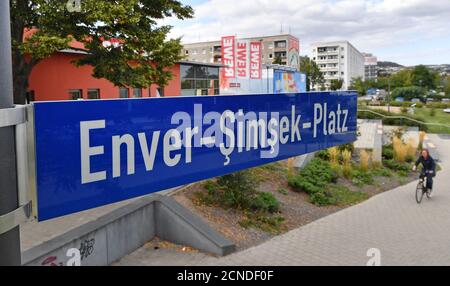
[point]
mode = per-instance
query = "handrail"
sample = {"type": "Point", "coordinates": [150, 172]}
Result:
{"type": "Point", "coordinates": [404, 117]}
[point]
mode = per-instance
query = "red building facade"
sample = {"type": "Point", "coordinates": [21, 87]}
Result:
{"type": "Point", "coordinates": [57, 78]}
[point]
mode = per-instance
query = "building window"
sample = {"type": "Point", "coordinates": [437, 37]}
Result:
{"type": "Point", "coordinates": [137, 92]}
{"type": "Point", "coordinates": [75, 94]}
{"type": "Point", "coordinates": [93, 93]}
{"type": "Point", "coordinates": [280, 44]}
{"type": "Point", "coordinates": [124, 92]}
{"type": "Point", "coordinates": [270, 56]}
{"type": "Point", "coordinates": [186, 52]}
{"type": "Point", "coordinates": [199, 80]}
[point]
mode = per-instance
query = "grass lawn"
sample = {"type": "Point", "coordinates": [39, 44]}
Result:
{"type": "Point", "coordinates": [440, 117]}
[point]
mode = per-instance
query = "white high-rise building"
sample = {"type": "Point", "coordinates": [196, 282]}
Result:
{"type": "Point", "coordinates": [338, 60]}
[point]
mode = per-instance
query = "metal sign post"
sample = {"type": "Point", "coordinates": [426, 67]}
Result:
{"type": "Point", "coordinates": [9, 240]}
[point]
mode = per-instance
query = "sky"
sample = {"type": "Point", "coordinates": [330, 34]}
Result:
{"type": "Point", "coordinates": [409, 32]}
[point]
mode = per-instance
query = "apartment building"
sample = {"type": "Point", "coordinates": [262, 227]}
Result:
{"type": "Point", "coordinates": [338, 60]}
{"type": "Point", "coordinates": [285, 48]}
{"type": "Point", "coordinates": [370, 66]}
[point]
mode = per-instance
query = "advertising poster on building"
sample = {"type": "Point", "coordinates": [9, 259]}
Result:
{"type": "Point", "coordinates": [243, 65]}
{"type": "Point", "coordinates": [242, 59]}
{"type": "Point", "coordinates": [255, 60]}
{"type": "Point", "coordinates": [228, 57]}
{"type": "Point", "coordinates": [293, 52]}
{"type": "Point", "coordinates": [289, 82]}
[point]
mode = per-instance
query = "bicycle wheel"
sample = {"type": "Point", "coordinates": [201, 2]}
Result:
{"type": "Point", "coordinates": [419, 193]}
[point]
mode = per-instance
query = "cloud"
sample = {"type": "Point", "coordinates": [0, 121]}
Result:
{"type": "Point", "coordinates": [371, 25]}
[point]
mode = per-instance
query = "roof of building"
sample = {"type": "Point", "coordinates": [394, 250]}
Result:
{"type": "Point", "coordinates": [247, 38]}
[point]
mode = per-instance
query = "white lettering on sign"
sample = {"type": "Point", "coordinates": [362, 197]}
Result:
{"type": "Point", "coordinates": [228, 56]}
{"type": "Point", "coordinates": [255, 60]}
{"type": "Point", "coordinates": [228, 131]}
{"type": "Point", "coordinates": [332, 122]}
{"type": "Point", "coordinates": [87, 152]}
{"type": "Point", "coordinates": [242, 59]}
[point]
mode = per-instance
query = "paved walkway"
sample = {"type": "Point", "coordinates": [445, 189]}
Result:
{"type": "Point", "coordinates": [404, 232]}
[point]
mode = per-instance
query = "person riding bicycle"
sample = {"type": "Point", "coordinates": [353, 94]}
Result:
{"type": "Point", "coordinates": [429, 168]}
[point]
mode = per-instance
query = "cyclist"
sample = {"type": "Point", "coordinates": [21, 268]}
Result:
{"type": "Point", "coordinates": [428, 170]}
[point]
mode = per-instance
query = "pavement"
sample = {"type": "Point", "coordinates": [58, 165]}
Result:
{"type": "Point", "coordinates": [402, 232]}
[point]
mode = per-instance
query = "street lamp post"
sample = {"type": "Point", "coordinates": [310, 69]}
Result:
{"type": "Point", "coordinates": [10, 240]}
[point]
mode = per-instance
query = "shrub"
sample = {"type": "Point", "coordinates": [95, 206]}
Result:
{"type": "Point", "coordinates": [411, 148]}
{"type": "Point", "coordinates": [314, 179]}
{"type": "Point", "coordinates": [422, 136]}
{"type": "Point", "coordinates": [396, 166]}
{"type": "Point", "coordinates": [347, 147]}
{"type": "Point", "coordinates": [388, 152]}
{"type": "Point", "coordinates": [323, 198]}
{"type": "Point", "coordinates": [361, 178]}
{"type": "Point", "coordinates": [238, 189]}
{"type": "Point", "coordinates": [400, 150]}
{"type": "Point", "coordinates": [347, 167]}
{"type": "Point", "coordinates": [324, 155]}
{"type": "Point", "coordinates": [266, 202]}
{"type": "Point", "coordinates": [334, 155]}
{"type": "Point", "coordinates": [364, 158]}
{"type": "Point", "coordinates": [382, 172]}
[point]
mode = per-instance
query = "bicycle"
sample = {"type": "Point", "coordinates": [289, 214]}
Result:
{"type": "Point", "coordinates": [422, 190]}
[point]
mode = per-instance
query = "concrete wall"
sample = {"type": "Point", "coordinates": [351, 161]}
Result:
{"type": "Point", "coordinates": [121, 232]}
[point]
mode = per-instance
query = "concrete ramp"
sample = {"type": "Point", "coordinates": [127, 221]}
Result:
{"type": "Point", "coordinates": [116, 234]}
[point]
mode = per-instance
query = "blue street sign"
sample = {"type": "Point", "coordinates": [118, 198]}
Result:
{"type": "Point", "coordinates": [94, 153]}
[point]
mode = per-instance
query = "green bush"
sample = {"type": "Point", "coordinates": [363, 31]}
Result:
{"type": "Point", "coordinates": [361, 178]}
{"type": "Point", "coordinates": [388, 152]}
{"type": "Point", "coordinates": [266, 202]}
{"type": "Point", "coordinates": [324, 155]}
{"type": "Point", "coordinates": [347, 147]}
{"type": "Point", "coordinates": [238, 189]}
{"type": "Point", "coordinates": [403, 174]}
{"type": "Point", "coordinates": [396, 166]}
{"type": "Point", "coordinates": [323, 198]}
{"type": "Point", "coordinates": [438, 105]}
{"type": "Point", "coordinates": [314, 180]}
{"type": "Point", "coordinates": [382, 172]}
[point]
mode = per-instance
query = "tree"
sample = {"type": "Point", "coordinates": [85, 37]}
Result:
{"type": "Point", "coordinates": [424, 77]}
{"type": "Point", "coordinates": [40, 28]}
{"type": "Point", "coordinates": [401, 79]}
{"type": "Point", "coordinates": [447, 86]}
{"type": "Point", "coordinates": [314, 77]}
{"type": "Point", "coordinates": [336, 84]}
{"type": "Point", "coordinates": [359, 85]}
{"type": "Point", "coordinates": [408, 93]}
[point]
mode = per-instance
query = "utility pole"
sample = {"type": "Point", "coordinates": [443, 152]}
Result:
{"type": "Point", "coordinates": [389, 95]}
{"type": "Point", "coordinates": [9, 241]}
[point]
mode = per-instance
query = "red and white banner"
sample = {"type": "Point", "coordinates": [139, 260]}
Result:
{"type": "Point", "coordinates": [228, 57]}
{"type": "Point", "coordinates": [242, 59]}
{"type": "Point", "coordinates": [255, 60]}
